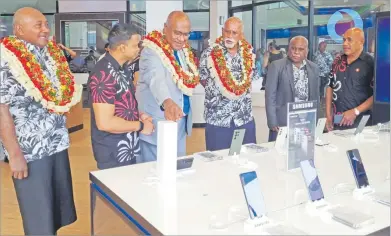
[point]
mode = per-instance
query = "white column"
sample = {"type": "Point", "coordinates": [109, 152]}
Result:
{"type": "Point", "coordinates": [218, 9]}
{"type": "Point", "coordinates": [157, 12]}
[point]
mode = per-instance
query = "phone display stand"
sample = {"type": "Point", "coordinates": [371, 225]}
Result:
{"type": "Point", "coordinates": [258, 225]}
{"type": "Point", "coordinates": [244, 162]}
{"type": "Point", "coordinates": [320, 142]}
{"type": "Point", "coordinates": [319, 208]}
{"type": "Point", "coordinates": [363, 193]}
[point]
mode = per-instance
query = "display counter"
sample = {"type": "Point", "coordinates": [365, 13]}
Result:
{"type": "Point", "coordinates": [75, 118]}
{"type": "Point", "coordinates": [209, 199]}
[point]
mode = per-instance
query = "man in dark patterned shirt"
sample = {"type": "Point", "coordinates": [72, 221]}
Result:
{"type": "Point", "coordinates": [33, 126]}
{"type": "Point", "coordinates": [226, 111]}
{"type": "Point", "coordinates": [115, 119]}
{"type": "Point", "coordinates": [350, 91]}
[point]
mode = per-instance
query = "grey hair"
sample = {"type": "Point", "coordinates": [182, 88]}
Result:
{"type": "Point", "coordinates": [300, 37]}
{"type": "Point", "coordinates": [120, 33]}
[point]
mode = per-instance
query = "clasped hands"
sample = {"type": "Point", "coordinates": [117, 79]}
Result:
{"type": "Point", "coordinates": [348, 118]}
{"type": "Point", "coordinates": [148, 125]}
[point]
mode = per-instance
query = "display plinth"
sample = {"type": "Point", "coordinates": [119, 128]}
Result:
{"type": "Point", "coordinates": [167, 154]}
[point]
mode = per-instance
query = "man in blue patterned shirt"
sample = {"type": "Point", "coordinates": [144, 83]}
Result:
{"type": "Point", "coordinates": [324, 60]}
{"type": "Point", "coordinates": [227, 69]}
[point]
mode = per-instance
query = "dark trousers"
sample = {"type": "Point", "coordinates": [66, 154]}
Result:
{"type": "Point", "coordinates": [45, 197]}
{"type": "Point", "coordinates": [219, 138]}
{"type": "Point", "coordinates": [272, 135]}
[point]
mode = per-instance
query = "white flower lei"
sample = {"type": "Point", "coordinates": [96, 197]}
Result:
{"type": "Point", "coordinates": [21, 76]}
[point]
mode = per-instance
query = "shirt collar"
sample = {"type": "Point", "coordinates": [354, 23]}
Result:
{"type": "Point", "coordinates": [33, 48]}
{"type": "Point", "coordinates": [362, 56]}
{"type": "Point", "coordinates": [303, 63]}
{"type": "Point", "coordinates": [113, 62]}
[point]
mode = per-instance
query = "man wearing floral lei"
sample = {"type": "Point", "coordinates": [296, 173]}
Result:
{"type": "Point", "coordinates": [168, 75]}
{"type": "Point", "coordinates": [36, 90]}
{"type": "Point", "coordinates": [227, 69]}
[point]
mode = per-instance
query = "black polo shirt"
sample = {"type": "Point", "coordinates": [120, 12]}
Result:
{"type": "Point", "coordinates": [351, 84]}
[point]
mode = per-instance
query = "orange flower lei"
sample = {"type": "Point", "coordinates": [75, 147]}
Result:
{"type": "Point", "coordinates": [220, 71]}
{"type": "Point", "coordinates": [185, 80]}
{"type": "Point", "coordinates": [28, 72]}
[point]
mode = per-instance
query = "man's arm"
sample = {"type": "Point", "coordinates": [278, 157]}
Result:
{"type": "Point", "coordinates": [271, 95]}
{"type": "Point", "coordinates": [7, 132]}
{"type": "Point", "coordinates": [365, 106]}
{"type": "Point", "coordinates": [103, 90]}
{"type": "Point", "coordinates": [152, 71]}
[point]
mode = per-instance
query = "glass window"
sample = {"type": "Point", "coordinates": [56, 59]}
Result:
{"type": "Point", "coordinates": [139, 21]}
{"type": "Point", "coordinates": [10, 6]}
{"type": "Point", "coordinates": [236, 3]}
{"type": "Point", "coordinates": [199, 21]}
{"type": "Point", "coordinates": [246, 17]}
{"type": "Point", "coordinates": [195, 5]}
{"type": "Point", "coordinates": [330, 23]}
{"type": "Point", "coordinates": [137, 5]}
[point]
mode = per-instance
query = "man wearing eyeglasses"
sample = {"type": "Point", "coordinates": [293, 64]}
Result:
{"type": "Point", "coordinates": [291, 79]}
{"type": "Point", "coordinates": [227, 69]}
{"type": "Point", "coordinates": [168, 75]}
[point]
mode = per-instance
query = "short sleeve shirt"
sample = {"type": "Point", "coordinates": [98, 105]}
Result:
{"type": "Point", "coordinates": [351, 84]}
{"type": "Point", "coordinates": [110, 83]}
{"type": "Point", "coordinates": [39, 133]}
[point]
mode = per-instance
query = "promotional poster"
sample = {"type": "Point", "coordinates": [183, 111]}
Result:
{"type": "Point", "coordinates": [301, 132]}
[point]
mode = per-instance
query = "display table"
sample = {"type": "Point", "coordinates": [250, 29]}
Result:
{"type": "Point", "coordinates": [210, 200]}
{"type": "Point", "coordinates": [75, 118]}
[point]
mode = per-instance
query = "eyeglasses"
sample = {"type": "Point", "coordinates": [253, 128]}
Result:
{"type": "Point", "coordinates": [178, 34]}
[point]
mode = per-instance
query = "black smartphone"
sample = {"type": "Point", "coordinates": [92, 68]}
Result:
{"type": "Point", "coordinates": [358, 169]}
{"type": "Point", "coordinates": [184, 163]}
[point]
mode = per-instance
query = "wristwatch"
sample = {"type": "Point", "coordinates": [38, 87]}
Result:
{"type": "Point", "coordinates": [141, 126]}
{"type": "Point", "coordinates": [356, 111]}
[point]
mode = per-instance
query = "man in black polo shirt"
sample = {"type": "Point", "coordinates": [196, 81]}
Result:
{"type": "Point", "coordinates": [350, 91]}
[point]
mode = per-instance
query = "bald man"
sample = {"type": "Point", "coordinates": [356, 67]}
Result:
{"type": "Point", "coordinates": [350, 93]}
{"type": "Point", "coordinates": [166, 66]}
{"type": "Point", "coordinates": [227, 111]}
{"type": "Point", "coordinates": [291, 79]}
{"type": "Point", "coordinates": [34, 135]}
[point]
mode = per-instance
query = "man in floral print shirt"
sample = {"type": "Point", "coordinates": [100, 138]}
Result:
{"type": "Point", "coordinates": [225, 111]}
{"type": "Point", "coordinates": [115, 119]}
{"type": "Point", "coordinates": [33, 132]}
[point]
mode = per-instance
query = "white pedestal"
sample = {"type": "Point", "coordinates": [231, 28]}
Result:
{"type": "Point", "coordinates": [167, 153]}
{"type": "Point", "coordinates": [319, 209]}
{"type": "Point", "coordinates": [363, 193]}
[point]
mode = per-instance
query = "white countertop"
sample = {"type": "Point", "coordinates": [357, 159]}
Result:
{"type": "Point", "coordinates": [213, 190]}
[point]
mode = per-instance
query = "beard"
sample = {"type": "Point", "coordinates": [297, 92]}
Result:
{"type": "Point", "coordinates": [230, 43]}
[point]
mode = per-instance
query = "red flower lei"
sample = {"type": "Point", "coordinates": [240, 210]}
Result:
{"type": "Point", "coordinates": [65, 92]}
{"type": "Point", "coordinates": [233, 89]}
{"type": "Point", "coordinates": [189, 79]}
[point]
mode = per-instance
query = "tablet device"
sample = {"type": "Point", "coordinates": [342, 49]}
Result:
{"type": "Point", "coordinates": [184, 163]}
{"type": "Point", "coordinates": [253, 194]}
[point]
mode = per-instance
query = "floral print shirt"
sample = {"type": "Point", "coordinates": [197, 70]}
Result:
{"type": "Point", "coordinates": [110, 83]}
{"type": "Point", "coordinates": [300, 81]}
{"type": "Point", "coordinates": [324, 61]}
{"type": "Point", "coordinates": [39, 133]}
{"type": "Point", "coordinates": [219, 110]}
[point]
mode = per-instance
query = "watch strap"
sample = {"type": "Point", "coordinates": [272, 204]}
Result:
{"type": "Point", "coordinates": [141, 126]}
{"type": "Point", "coordinates": [356, 111]}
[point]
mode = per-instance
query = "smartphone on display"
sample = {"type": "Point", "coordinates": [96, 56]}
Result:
{"type": "Point", "coordinates": [237, 142]}
{"type": "Point", "coordinates": [338, 119]}
{"type": "Point", "coordinates": [320, 128]}
{"type": "Point", "coordinates": [358, 168]}
{"type": "Point", "coordinates": [185, 163]}
{"type": "Point", "coordinates": [311, 180]}
{"type": "Point", "coordinates": [253, 194]}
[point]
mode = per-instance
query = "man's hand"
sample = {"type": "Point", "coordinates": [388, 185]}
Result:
{"type": "Point", "coordinates": [348, 118]}
{"type": "Point", "coordinates": [61, 46]}
{"type": "Point", "coordinates": [172, 111]}
{"type": "Point", "coordinates": [148, 127]}
{"type": "Point", "coordinates": [144, 117]}
{"type": "Point", "coordinates": [18, 165]}
{"type": "Point", "coordinates": [275, 129]}
{"type": "Point", "coordinates": [329, 123]}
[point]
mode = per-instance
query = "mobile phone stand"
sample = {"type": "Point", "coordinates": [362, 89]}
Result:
{"type": "Point", "coordinates": [318, 208]}
{"type": "Point", "coordinates": [363, 192]}
{"type": "Point", "coordinates": [258, 225]}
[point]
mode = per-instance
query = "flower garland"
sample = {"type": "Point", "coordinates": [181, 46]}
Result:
{"type": "Point", "coordinates": [221, 71]}
{"type": "Point", "coordinates": [185, 80]}
{"type": "Point", "coordinates": [57, 98]}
